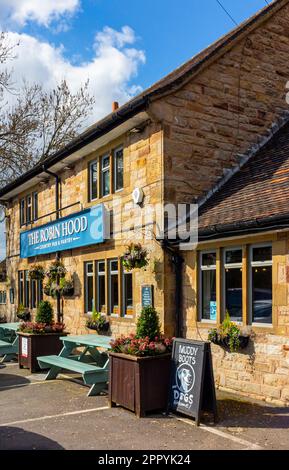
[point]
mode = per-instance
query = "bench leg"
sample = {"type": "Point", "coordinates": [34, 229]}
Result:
{"type": "Point", "coordinates": [53, 373]}
{"type": "Point", "coordinates": [8, 357]}
{"type": "Point", "coordinates": [96, 389]}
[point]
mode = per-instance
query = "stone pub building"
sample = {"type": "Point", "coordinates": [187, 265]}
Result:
{"type": "Point", "coordinates": [213, 132]}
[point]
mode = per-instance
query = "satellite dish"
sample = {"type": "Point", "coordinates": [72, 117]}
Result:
{"type": "Point", "coordinates": [2, 214]}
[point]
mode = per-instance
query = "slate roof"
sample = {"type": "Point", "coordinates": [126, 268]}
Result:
{"type": "Point", "coordinates": [258, 192]}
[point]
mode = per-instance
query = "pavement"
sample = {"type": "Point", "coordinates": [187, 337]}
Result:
{"type": "Point", "coordinates": [57, 414]}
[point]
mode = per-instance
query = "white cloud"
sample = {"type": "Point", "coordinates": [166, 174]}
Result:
{"type": "Point", "coordinates": [114, 63]}
{"type": "Point", "coordinates": [41, 11]}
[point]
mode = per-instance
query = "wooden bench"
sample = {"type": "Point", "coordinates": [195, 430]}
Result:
{"type": "Point", "coordinates": [92, 375]}
{"type": "Point", "coordinates": [8, 341]}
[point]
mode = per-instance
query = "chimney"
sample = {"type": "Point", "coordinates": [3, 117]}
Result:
{"type": "Point", "coordinates": [115, 106]}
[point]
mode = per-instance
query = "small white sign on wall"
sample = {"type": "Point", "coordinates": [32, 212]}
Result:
{"type": "Point", "coordinates": [24, 347]}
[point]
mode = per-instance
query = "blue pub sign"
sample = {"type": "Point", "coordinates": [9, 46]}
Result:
{"type": "Point", "coordinates": [84, 228]}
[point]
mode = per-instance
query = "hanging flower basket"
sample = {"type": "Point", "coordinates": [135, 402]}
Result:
{"type": "Point", "coordinates": [66, 287]}
{"type": "Point", "coordinates": [37, 272]}
{"type": "Point", "coordinates": [135, 257]}
{"type": "Point", "coordinates": [229, 336]}
{"type": "Point", "coordinates": [56, 269]}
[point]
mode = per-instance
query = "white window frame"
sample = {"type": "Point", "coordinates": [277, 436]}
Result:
{"type": "Point", "coordinates": [200, 297]}
{"type": "Point", "coordinates": [112, 272]}
{"type": "Point", "coordinates": [103, 170]}
{"type": "Point", "coordinates": [98, 275]}
{"type": "Point", "coordinates": [22, 212]}
{"type": "Point", "coordinates": [94, 162]}
{"type": "Point", "coordinates": [125, 273]}
{"type": "Point", "coordinates": [230, 266]}
{"type": "Point", "coordinates": [257, 264]}
{"type": "Point", "coordinates": [87, 275]}
{"type": "Point", "coordinates": [35, 206]}
{"type": "Point", "coordinates": [29, 207]}
{"type": "Point", "coordinates": [115, 167]}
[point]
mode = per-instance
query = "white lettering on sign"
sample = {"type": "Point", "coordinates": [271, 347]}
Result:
{"type": "Point", "coordinates": [63, 229]}
{"type": "Point", "coordinates": [185, 376]}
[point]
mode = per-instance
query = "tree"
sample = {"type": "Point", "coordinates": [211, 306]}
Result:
{"type": "Point", "coordinates": [34, 122]}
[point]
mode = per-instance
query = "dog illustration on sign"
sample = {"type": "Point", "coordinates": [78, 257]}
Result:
{"type": "Point", "coordinates": [185, 378]}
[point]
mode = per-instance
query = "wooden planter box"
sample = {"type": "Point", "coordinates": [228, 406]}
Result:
{"type": "Point", "coordinates": [31, 346]}
{"type": "Point", "coordinates": [140, 384]}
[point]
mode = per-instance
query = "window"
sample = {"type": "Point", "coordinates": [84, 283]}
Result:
{"type": "Point", "coordinates": [11, 296]}
{"type": "Point", "coordinates": [118, 169]}
{"type": "Point", "coordinates": [26, 289]}
{"type": "Point", "coordinates": [28, 209]}
{"type": "Point", "coordinates": [233, 283]}
{"type": "Point", "coordinates": [101, 306]}
{"type": "Point", "coordinates": [127, 293]}
{"type": "Point", "coordinates": [35, 206]}
{"type": "Point", "coordinates": [93, 181]}
{"type": "Point", "coordinates": [113, 287]}
{"type": "Point", "coordinates": [3, 297]}
{"type": "Point", "coordinates": [39, 291]}
{"type": "Point", "coordinates": [261, 284]}
{"type": "Point", "coordinates": [105, 175]}
{"type": "Point", "coordinates": [208, 286]}
{"type": "Point", "coordinates": [33, 293]}
{"type": "Point", "coordinates": [21, 287]}
{"type": "Point", "coordinates": [89, 297]}
{"type": "Point", "coordinates": [22, 212]}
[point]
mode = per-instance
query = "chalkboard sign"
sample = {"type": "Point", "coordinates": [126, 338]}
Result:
{"type": "Point", "coordinates": [192, 387]}
{"type": "Point", "coordinates": [147, 296]}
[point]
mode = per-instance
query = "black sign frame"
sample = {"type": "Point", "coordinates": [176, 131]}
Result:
{"type": "Point", "coordinates": [201, 374]}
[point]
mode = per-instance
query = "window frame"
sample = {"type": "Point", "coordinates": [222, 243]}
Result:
{"type": "Point", "coordinates": [101, 274]}
{"type": "Point", "coordinates": [90, 180]}
{"type": "Point", "coordinates": [230, 266]}
{"type": "Point", "coordinates": [86, 276]}
{"type": "Point", "coordinates": [256, 264]}
{"type": "Point", "coordinates": [104, 170]}
{"type": "Point", "coordinates": [3, 297]}
{"type": "Point", "coordinates": [35, 206]}
{"type": "Point", "coordinates": [110, 311]}
{"type": "Point", "coordinates": [124, 314]}
{"type": "Point", "coordinates": [117, 149]}
{"type": "Point", "coordinates": [22, 210]}
{"type": "Point", "coordinates": [200, 283]}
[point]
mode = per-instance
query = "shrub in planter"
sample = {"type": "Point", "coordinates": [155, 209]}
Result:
{"type": "Point", "coordinates": [39, 338]}
{"type": "Point", "coordinates": [44, 313]}
{"type": "Point", "coordinates": [37, 272]}
{"type": "Point", "coordinates": [229, 335]}
{"type": "Point", "coordinates": [135, 257]}
{"type": "Point", "coordinates": [22, 313]}
{"type": "Point", "coordinates": [140, 367]}
{"type": "Point", "coordinates": [148, 324]}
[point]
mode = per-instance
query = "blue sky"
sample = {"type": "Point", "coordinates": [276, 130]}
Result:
{"type": "Point", "coordinates": [168, 31]}
{"type": "Point", "coordinates": [121, 46]}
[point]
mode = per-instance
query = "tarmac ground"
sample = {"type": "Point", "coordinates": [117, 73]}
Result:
{"type": "Point", "coordinates": [46, 415]}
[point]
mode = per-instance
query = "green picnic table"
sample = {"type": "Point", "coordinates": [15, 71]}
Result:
{"type": "Point", "coordinates": [92, 363]}
{"type": "Point", "coordinates": [8, 340]}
